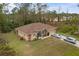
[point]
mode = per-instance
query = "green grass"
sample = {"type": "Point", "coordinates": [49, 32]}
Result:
{"type": "Point", "coordinates": [49, 46]}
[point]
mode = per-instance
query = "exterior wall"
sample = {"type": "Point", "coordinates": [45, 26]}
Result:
{"type": "Point", "coordinates": [33, 35]}
{"type": "Point", "coordinates": [22, 34]}
{"type": "Point", "coordinates": [25, 36]}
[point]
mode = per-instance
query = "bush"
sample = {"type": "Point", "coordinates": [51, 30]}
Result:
{"type": "Point", "coordinates": [67, 29]}
{"type": "Point", "coordinates": [5, 49]}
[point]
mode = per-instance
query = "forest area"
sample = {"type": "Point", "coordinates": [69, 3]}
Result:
{"type": "Point", "coordinates": [26, 13]}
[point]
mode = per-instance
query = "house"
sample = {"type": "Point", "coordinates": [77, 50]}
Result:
{"type": "Point", "coordinates": [35, 30]}
{"type": "Point", "coordinates": [64, 18]}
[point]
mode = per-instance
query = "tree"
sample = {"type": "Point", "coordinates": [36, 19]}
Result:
{"type": "Point", "coordinates": [41, 7]}
{"type": "Point", "coordinates": [5, 49]}
{"type": "Point", "coordinates": [21, 13]}
{"type": "Point", "coordinates": [6, 23]}
{"type": "Point", "coordinates": [1, 16]}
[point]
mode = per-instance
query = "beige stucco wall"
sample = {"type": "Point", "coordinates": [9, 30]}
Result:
{"type": "Point", "coordinates": [22, 34]}
{"type": "Point", "coordinates": [25, 36]}
{"type": "Point", "coordinates": [33, 35]}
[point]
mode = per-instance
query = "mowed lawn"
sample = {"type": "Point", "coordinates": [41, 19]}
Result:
{"type": "Point", "coordinates": [46, 47]}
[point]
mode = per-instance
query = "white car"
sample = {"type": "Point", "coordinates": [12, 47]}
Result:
{"type": "Point", "coordinates": [56, 35]}
{"type": "Point", "coordinates": [71, 40]}
{"type": "Point", "coordinates": [62, 37]}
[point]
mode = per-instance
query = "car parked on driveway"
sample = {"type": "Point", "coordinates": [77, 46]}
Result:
{"type": "Point", "coordinates": [56, 35]}
{"type": "Point", "coordinates": [65, 38]}
{"type": "Point", "coordinates": [71, 40]}
{"type": "Point", "coordinates": [62, 37]}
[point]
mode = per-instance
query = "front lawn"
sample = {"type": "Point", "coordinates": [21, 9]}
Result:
{"type": "Point", "coordinates": [49, 46]}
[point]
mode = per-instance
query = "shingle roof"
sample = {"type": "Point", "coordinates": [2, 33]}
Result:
{"type": "Point", "coordinates": [34, 27]}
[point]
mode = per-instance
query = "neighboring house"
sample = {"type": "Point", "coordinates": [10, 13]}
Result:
{"type": "Point", "coordinates": [64, 18]}
{"type": "Point", "coordinates": [35, 30]}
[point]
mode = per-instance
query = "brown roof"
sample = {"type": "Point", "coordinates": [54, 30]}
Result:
{"type": "Point", "coordinates": [34, 27]}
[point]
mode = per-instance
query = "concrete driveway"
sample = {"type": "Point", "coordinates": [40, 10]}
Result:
{"type": "Point", "coordinates": [77, 42]}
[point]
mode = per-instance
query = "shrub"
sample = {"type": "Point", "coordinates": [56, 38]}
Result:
{"type": "Point", "coordinates": [5, 49]}
{"type": "Point", "coordinates": [67, 29]}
